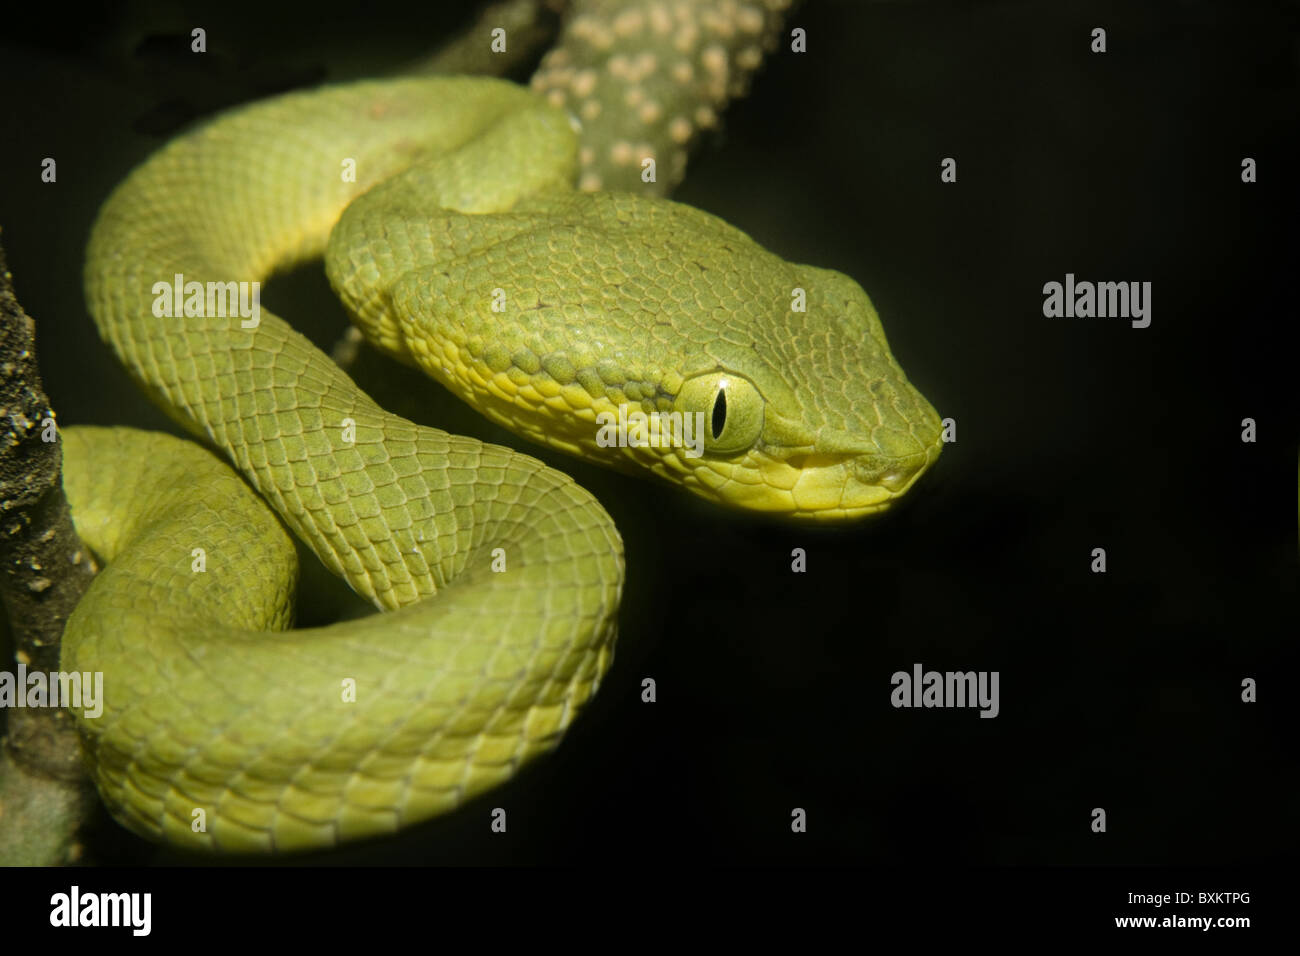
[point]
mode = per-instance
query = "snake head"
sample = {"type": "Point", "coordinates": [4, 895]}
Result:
{"type": "Point", "coordinates": [651, 336]}
{"type": "Point", "coordinates": [809, 415]}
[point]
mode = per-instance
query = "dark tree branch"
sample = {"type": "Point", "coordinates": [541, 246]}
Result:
{"type": "Point", "coordinates": [44, 570]}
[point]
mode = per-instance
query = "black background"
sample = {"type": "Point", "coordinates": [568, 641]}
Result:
{"type": "Point", "coordinates": [1119, 690]}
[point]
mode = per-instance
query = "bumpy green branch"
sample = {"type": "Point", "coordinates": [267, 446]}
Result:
{"type": "Point", "coordinates": [647, 77]}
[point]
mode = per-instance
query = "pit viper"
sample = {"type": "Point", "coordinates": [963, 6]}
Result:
{"type": "Point", "coordinates": [459, 245]}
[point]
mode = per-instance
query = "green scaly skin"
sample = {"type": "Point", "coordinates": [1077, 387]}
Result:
{"type": "Point", "coordinates": [609, 299]}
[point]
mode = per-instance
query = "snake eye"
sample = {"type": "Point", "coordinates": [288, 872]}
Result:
{"type": "Point", "coordinates": [731, 405]}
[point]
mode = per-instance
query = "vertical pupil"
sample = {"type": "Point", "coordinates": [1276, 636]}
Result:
{"type": "Point", "coordinates": [719, 413]}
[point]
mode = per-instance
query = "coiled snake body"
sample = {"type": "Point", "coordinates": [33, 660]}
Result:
{"type": "Point", "coordinates": [221, 730]}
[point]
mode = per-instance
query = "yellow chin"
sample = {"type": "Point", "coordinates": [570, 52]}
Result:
{"type": "Point", "coordinates": [827, 491]}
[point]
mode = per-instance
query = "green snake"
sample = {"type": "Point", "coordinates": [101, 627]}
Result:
{"type": "Point", "coordinates": [462, 248]}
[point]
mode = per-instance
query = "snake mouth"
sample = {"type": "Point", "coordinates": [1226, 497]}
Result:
{"type": "Point", "coordinates": [831, 487]}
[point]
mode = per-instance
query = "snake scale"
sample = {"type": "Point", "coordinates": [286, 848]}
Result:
{"type": "Point", "coordinates": [499, 577]}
